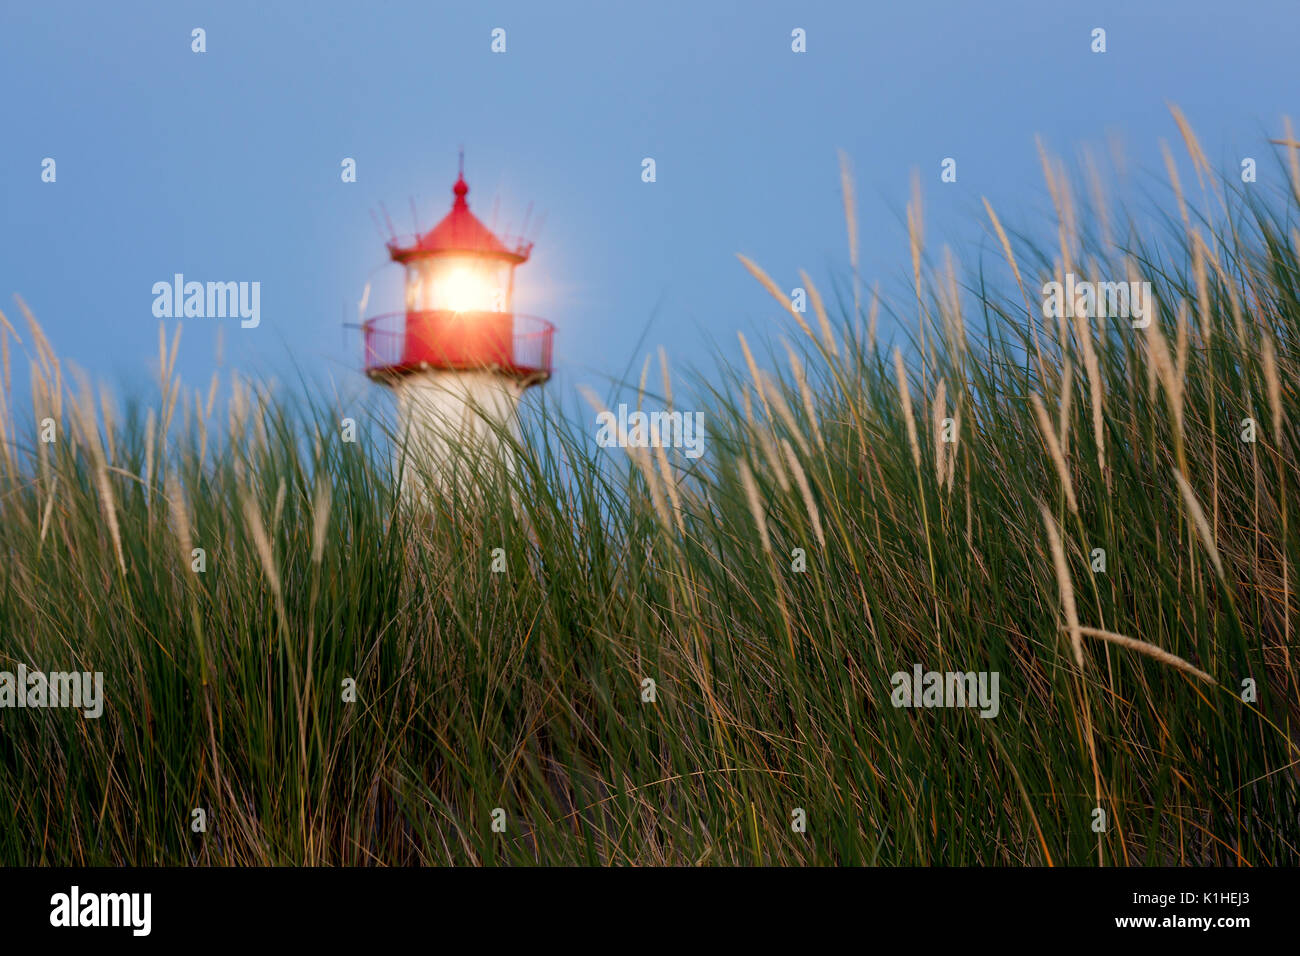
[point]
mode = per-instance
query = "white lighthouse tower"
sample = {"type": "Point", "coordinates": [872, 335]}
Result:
{"type": "Point", "coordinates": [458, 358]}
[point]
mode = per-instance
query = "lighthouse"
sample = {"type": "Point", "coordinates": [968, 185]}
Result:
{"type": "Point", "coordinates": [458, 358]}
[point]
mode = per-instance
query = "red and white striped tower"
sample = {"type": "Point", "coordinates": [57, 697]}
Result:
{"type": "Point", "coordinates": [458, 358]}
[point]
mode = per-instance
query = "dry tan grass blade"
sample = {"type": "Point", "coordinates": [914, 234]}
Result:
{"type": "Point", "coordinates": [1151, 650]}
{"type": "Point", "coordinates": [1063, 583]}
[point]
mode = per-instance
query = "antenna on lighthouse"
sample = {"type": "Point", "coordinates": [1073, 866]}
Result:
{"type": "Point", "coordinates": [523, 230]}
{"type": "Point", "coordinates": [526, 244]}
{"type": "Point", "coordinates": [388, 219]}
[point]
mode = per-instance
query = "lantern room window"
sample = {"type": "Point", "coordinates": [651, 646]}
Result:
{"type": "Point", "coordinates": [458, 284]}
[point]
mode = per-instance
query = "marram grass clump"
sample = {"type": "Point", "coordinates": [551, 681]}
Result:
{"type": "Point", "coordinates": [686, 661]}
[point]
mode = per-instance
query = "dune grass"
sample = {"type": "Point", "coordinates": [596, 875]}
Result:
{"type": "Point", "coordinates": [524, 689]}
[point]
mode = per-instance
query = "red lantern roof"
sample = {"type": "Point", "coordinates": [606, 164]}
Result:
{"type": "Point", "coordinates": [459, 232]}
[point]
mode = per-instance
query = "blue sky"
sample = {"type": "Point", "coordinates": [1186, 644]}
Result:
{"type": "Point", "coordinates": [225, 165]}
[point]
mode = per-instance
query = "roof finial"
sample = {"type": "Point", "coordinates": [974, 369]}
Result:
{"type": "Point", "coordinates": [461, 187]}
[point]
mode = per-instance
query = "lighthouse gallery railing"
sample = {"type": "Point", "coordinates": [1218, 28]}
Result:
{"type": "Point", "coordinates": [403, 342]}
